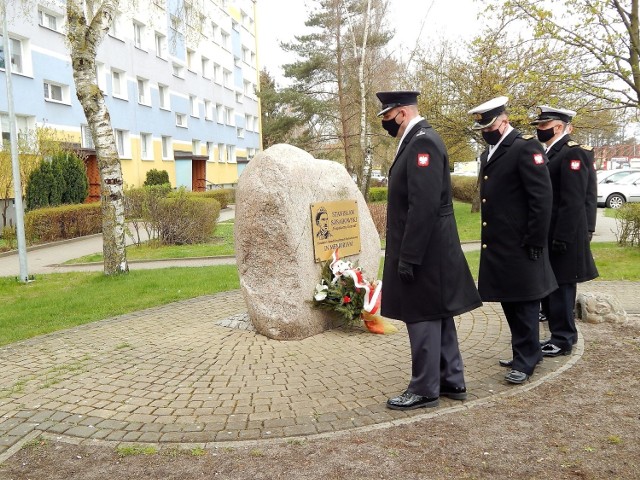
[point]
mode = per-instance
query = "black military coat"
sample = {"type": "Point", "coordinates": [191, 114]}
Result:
{"type": "Point", "coordinates": [574, 205]}
{"type": "Point", "coordinates": [515, 195]}
{"type": "Point", "coordinates": [421, 230]}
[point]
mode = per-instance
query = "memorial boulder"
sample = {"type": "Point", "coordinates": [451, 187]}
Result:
{"type": "Point", "coordinates": [284, 224]}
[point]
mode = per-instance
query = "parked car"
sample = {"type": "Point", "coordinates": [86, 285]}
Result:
{"type": "Point", "coordinates": [614, 195]}
{"type": "Point", "coordinates": [613, 176]}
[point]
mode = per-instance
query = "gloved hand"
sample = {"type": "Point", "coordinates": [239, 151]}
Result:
{"type": "Point", "coordinates": [405, 272]}
{"type": "Point", "coordinates": [558, 246]}
{"type": "Point", "coordinates": [534, 252]}
{"type": "Point", "coordinates": [590, 235]}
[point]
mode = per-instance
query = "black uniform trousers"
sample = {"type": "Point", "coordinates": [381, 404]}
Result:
{"type": "Point", "coordinates": [524, 324]}
{"type": "Point", "coordinates": [558, 307]}
{"type": "Point", "coordinates": [435, 357]}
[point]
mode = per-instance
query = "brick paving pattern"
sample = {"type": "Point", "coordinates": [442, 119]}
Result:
{"type": "Point", "coordinates": [175, 374]}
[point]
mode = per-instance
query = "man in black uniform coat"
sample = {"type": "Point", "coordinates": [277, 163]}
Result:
{"type": "Point", "coordinates": [515, 192]}
{"type": "Point", "coordinates": [426, 277]}
{"type": "Point", "coordinates": [571, 167]}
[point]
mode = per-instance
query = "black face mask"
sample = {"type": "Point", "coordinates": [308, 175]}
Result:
{"type": "Point", "coordinates": [492, 137]}
{"type": "Point", "coordinates": [391, 126]}
{"type": "Point", "coordinates": [545, 135]}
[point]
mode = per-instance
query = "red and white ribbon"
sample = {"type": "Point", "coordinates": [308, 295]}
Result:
{"type": "Point", "coordinates": [341, 268]}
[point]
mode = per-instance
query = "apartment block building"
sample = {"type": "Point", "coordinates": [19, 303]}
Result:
{"type": "Point", "coordinates": [180, 85]}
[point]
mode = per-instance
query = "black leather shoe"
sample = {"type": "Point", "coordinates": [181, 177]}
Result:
{"type": "Point", "coordinates": [509, 363]}
{"type": "Point", "coordinates": [552, 350]}
{"type": "Point", "coordinates": [514, 376]}
{"type": "Point", "coordinates": [454, 393]}
{"type": "Point", "coordinates": [410, 401]}
{"type": "Point", "coordinates": [544, 342]}
{"type": "Point", "coordinates": [542, 317]}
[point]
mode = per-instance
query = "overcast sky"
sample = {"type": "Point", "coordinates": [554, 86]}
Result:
{"type": "Point", "coordinates": [281, 20]}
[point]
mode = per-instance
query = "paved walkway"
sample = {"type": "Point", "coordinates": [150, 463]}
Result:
{"type": "Point", "coordinates": [176, 375]}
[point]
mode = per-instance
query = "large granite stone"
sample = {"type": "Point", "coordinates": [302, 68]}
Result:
{"type": "Point", "coordinates": [274, 244]}
{"type": "Point", "coordinates": [599, 308]}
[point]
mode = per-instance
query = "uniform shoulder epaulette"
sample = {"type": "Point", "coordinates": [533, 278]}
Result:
{"type": "Point", "coordinates": [587, 147]}
{"type": "Point", "coordinates": [527, 137]}
{"type": "Point", "coordinates": [571, 143]}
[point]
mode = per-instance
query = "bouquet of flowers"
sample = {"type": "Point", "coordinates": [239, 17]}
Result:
{"type": "Point", "coordinates": [344, 290]}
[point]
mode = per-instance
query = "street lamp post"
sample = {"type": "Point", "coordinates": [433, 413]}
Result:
{"type": "Point", "coordinates": [15, 164]}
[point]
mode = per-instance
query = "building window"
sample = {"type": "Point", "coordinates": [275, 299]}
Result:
{"type": "Point", "coordinates": [248, 123]}
{"type": "Point", "coordinates": [208, 110]}
{"type": "Point", "coordinates": [161, 45]}
{"type": "Point", "coordinates": [16, 55]}
{"type": "Point", "coordinates": [146, 146]}
{"type": "Point", "coordinates": [191, 55]}
{"type": "Point", "coordinates": [195, 147]}
{"type": "Point", "coordinates": [239, 97]}
{"type": "Point", "coordinates": [217, 73]}
{"type": "Point", "coordinates": [181, 120]}
{"type": "Point", "coordinates": [229, 116]}
{"type": "Point", "coordinates": [23, 126]}
{"type": "Point", "coordinates": [178, 70]}
{"type": "Point", "coordinates": [227, 78]}
{"type": "Point", "coordinates": [222, 152]}
{"type": "Point", "coordinates": [210, 151]}
{"type": "Point", "coordinates": [55, 92]}
{"type": "Point", "coordinates": [205, 67]}
{"type": "Point", "coordinates": [215, 33]}
{"type": "Point", "coordinates": [50, 20]}
{"type": "Point", "coordinates": [138, 35]}
{"type": "Point", "coordinates": [220, 113]}
{"type": "Point", "coordinates": [100, 75]}
{"type": "Point", "coordinates": [231, 154]}
{"type": "Point", "coordinates": [114, 31]}
{"type": "Point", "coordinates": [118, 85]}
{"type": "Point", "coordinates": [144, 95]}
{"type": "Point", "coordinates": [193, 106]}
{"type": "Point", "coordinates": [163, 92]}
{"type": "Point", "coordinates": [240, 132]}
{"type": "Point", "coordinates": [166, 147]}
{"type": "Point", "coordinates": [122, 143]}
{"type": "Point", "coordinates": [87, 138]}
{"type": "Point", "coordinates": [224, 37]}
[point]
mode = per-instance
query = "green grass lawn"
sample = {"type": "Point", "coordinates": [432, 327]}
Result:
{"type": "Point", "coordinates": [613, 262]}
{"type": "Point", "coordinates": [220, 244]}
{"type": "Point", "coordinates": [63, 300]}
{"type": "Point", "coordinates": [468, 223]}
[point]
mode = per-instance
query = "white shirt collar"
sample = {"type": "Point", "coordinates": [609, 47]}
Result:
{"type": "Point", "coordinates": [410, 125]}
{"type": "Point", "coordinates": [556, 141]}
{"type": "Point", "coordinates": [492, 148]}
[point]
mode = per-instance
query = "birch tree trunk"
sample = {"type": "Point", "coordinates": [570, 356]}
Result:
{"type": "Point", "coordinates": [85, 32]}
{"type": "Point", "coordinates": [365, 138]}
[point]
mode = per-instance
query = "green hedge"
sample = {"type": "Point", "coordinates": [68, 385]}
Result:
{"type": "Point", "coordinates": [464, 188]}
{"type": "Point", "coordinates": [628, 221]}
{"type": "Point", "coordinates": [377, 194]}
{"type": "Point", "coordinates": [221, 195]}
{"type": "Point", "coordinates": [58, 223]}
{"type": "Point", "coordinates": [186, 219]}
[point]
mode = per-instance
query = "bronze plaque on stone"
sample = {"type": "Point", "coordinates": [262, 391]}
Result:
{"type": "Point", "coordinates": [335, 225]}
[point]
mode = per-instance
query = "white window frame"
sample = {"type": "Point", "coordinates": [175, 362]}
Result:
{"type": "Point", "coordinates": [167, 147]}
{"type": "Point", "coordinates": [51, 87]}
{"type": "Point", "coordinates": [195, 147]}
{"type": "Point", "coordinates": [17, 54]}
{"type": "Point", "coordinates": [217, 73]}
{"type": "Point", "coordinates": [46, 17]}
{"type": "Point", "coordinates": [222, 153]}
{"type": "Point", "coordinates": [220, 113]}
{"type": "Point", "coordinates": [240, 132]}
{"type": "Point", "coordinates": [85, 136]}
{"type": "Point", "coordinates": [164, 97]}
{"type": "Point", "coordinates": [178, 70]}
{"type": "Point", "coordinates": [116, 27]}
{"type": "Point", "coordinates": [138, 35]}
{"type": "Point", "coordinates": [101, 77]}
{"type": "Point", "coordinates": [231, 154]}
{"type": "Point", "coordinates": [205, 64]}
{"type": "Point", "coordinates": [144, 93]}
{"type": "Point", "coordinates": [123, 144]}
{"type": "Point", "coordinates": [194, 106]}
{"type": "Point", "coordinates": [227, 78]}
{"type": "Point", "coordinates": [208, 110]}
{"type": "Point", "coordinates": [191, 55]}
{"type": "Point", "coordinates": [210, 151]}
{"type": "Point", "coordinates": [181, 120]}
{"type": "Point", "coordinates": [239, 97]}
{"type": "Point", "coordinates": [24, 124]}
{"type": "Point", "coordinates": [161, 45]}
{"type": "Point", "coordinates": [121, 82]}
{"type": "Point", "coordinates": [224, 39]}
{"type": "Point", "coordinates": [229, 116]}
{"type": "Point", "coordinates": [146, 146]}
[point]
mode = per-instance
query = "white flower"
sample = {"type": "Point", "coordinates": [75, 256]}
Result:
{"type": "Point", "coordinates": [321, 292]}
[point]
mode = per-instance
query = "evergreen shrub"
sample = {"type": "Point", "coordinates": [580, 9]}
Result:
{"type": "Point", "coordinates": [156, 177]}
{"type": "Point", "coordinates": [464, 188]}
